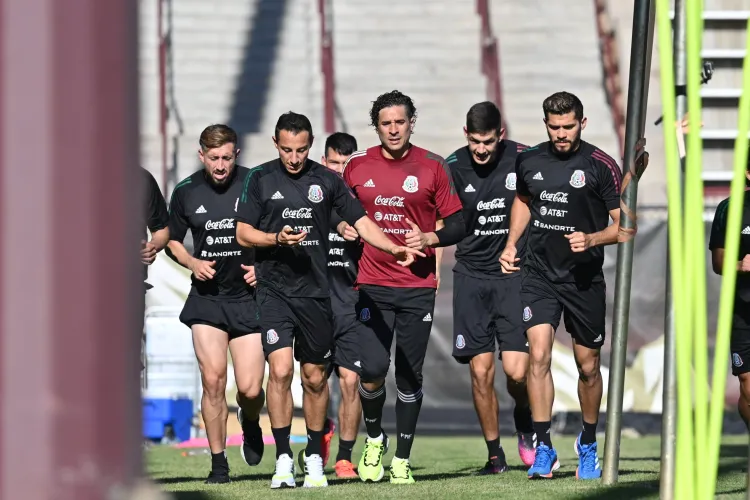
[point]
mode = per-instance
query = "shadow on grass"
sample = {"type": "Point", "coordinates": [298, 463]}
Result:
{"type": "Point", "coordinates": [623, 490]}
{"type": "Point", "coordinates": [189, 495]}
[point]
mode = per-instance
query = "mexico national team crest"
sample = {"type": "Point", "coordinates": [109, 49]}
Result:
{"type": "Point", "coordinates": [271, 336]}
{"type": "Point", "coordinates": [737, 360]}
{"type": "Point", "coordinates": [527, 313]}
{"type": "Point", "coordinates": [410, 184]}
{"type": "Point", "coordinates": [578, 179]}
{"type": "Point", "coordinates": [364, 315]}
{"type": "Point", "coordinates": [315, 194]}
{"type": "Point", "coordinates": [510, 181]}
{"type": "Point", "coordinates": [460, 342]}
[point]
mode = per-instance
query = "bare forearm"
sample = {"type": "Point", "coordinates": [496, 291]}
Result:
{"type": "Point", "coordinates": [520, 215]}
{"type": "Point", "coordinates": [607, 236]}
{"type": "Point", "coordinates": [372, 234]}
{"type": "Point", "coordinates": [248, 236]}
{"type": "Point", "coordinates": [160, 239]}
{"type": "Point", "coordinates": [179, 254]}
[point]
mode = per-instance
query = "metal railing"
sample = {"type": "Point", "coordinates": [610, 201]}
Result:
{"type": "Point", "coordinates": [491, 59]}
{"type": "Point", "coordinates": [325, 10]}
{"type": "Point", "coordinates": [610, 59]}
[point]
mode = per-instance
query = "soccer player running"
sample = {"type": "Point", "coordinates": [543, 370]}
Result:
{"type": "Point", "coordinates": [403, 188]}
{"type": "Point", "coordinates": [567, 190]}
{"type": "Point", "coordinates": [740, 339]}
{"type": "Point", "coordinates": [486, 301]}
{"type": "Point", "coordinates": [285, 212]}
{"type": "Point", "coordinates": [220, 309]}
{"type": "Point", "coordinates": [343, 260]}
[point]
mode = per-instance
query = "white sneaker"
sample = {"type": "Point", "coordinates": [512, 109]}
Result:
{"type": "Point", "coordinates": [314, 475]}
{"type": "Point", "coordinates": [284, 475]}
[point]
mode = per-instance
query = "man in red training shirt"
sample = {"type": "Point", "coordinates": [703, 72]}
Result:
{"type": "Point", "coordinates": [403, 188]}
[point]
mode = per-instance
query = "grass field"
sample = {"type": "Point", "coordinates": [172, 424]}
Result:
{"type": "Point", "coordinates": [443, 468]}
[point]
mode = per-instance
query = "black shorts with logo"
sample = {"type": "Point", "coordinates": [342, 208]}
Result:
{"type": "Point", "coordinates": [584, 307]}
{"type": "Point", "coordinates": [740, 340]}
{"type": "Point", "coordinates": [347, 334]}
{"type": "Point", "coordinates": [405, 312]}
{"type": "Point", "coordinates": [486, 311]}
{"type": "Point", "coordinates": [237, 317]}
{"type": "Point", "coordinates": [304, 323]}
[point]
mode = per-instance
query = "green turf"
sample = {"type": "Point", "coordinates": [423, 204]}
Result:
{"type": "Point", "coordinates": [443, 468]}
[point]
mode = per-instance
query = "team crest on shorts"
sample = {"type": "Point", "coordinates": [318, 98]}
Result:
{"type": "Point", "coordinates": [510, 181]}
{"type": "Point", "coordinates": [410, 184]}
{"type": "Point", "coordinates": [271, 336]}
{"type": "Point", "coordinates": [737, 360]}
{"type": "Point", "coordinates": [460, 342]}
{"type": "Point", "coordinates": [578, 179]}
{"type": "Point", "coordinates": [364, 315]}
{"type": "Point", "coordinates": [315, 194]}
{"type": "Point", "coordinates": [527, 313]}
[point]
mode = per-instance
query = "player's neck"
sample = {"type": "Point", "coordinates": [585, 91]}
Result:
{"type": "Point", "coordinates": [395, 155]}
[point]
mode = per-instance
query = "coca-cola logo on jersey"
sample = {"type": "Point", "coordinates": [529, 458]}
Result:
{"type": "Point", "coordinates": [300, 213]}
{"type": "Point", "coordinates": [220, 224]}
{"type": "Point", "coordinates": [393, 201]}
{"type": "Point", "coordinates": [558, 197]}
{"type": "Point", "coordinates": [491, 205]}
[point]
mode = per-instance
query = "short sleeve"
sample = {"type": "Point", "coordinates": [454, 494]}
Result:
{"type": "Point", "coordinates": [521, 187]}
{"type": "Point", "coordinates": [719, 226]}
{"type": "Point", "coordinates": [336, 219]}
{"type": "Point", "coordinates": [446, 197]}
{"type": "Point", "coordinates": [178, 223]}
{"type": "Point", "coordinates": [610, 182]}
{"type": "Point", "coordinates": [345, 203]}
{"type": "Point", "coordinates": [157, 216]}
{"type": "Point", "coordinates": [250, 206]}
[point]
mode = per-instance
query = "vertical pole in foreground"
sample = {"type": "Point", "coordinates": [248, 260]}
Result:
{"type": "Point", "coordinates": [70, 335]}
{"type": "Point", "coordinates": [325, 8]}
{"type": "Point", "coordinates": [669, 391]}
{"type": "Point", "coordinates": [640, 69]}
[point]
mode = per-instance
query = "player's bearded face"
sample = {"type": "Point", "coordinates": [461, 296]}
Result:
{"type": "Point", "coordinates": [564, 131]}
{"type": "Point", "coordinates": [483, 145]}
{"type": "Point", "coordinates": [293, 149]}
{"type": "Point", "coordinates": [394, 128]}
{"type": "Point", "coordinates": [219, 162]}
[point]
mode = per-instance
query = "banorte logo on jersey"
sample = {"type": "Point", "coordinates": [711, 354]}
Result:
{"type": "Point", "coordinates": [300, 213]}
{"type": "Point", "coordinates": [315, 194]}
{"type": "Point", "coordinates": [393, 201]}
{"type": "Point", "coordinates": [510, 181]}
{"type": "Point", "coordinates": [219, 224]}
{"type": "Point", "coordinates": [410, 184]}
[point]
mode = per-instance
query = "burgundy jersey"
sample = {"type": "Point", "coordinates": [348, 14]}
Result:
{"type": "Point", "coordinates": [419, 187]}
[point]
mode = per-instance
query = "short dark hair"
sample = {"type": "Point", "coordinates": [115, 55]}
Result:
{"type": "Point", "coordinates": [483, 117]}
{"type": "Point", "coordinates": [342, 143]}
{"type": "Point", "coordinates": [215, 136]}
{"type": "Point", "coordinates": [392, 98]}
{"type": "Point", "coordinates": [561, 103]}
{"type": "Point", "coordinates": [294, 123]}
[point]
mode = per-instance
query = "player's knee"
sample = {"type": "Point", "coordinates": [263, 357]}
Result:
{"type": "Point", "coordinates": [482, 375]}
{"type": "Point", "coordinates": [540, 361]}
{"type": "Point", "coordinates": [516, 374]}
{"type": "Point", "coordinates": [314, 379]}
{"type": "Point", "coordinates": [409, 385]}
{"type": "Point", "coordinates": [744, 379]}
{"type": "Point", "coordinates": [588, 370]}
{"type": "Point", "coordinates": [349, 382]}
{"type": "Point", "coordinates": [214, 384]}
{"type": "Point", "coordinates": [375, 370]}
{"type": "Point", "coordinates": [281, 373]}
{"type": "Point", "coordinates": [250, 389]}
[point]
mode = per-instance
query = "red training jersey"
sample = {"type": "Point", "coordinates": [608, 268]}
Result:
{"type": "Point", "coordinates": [419, 187]}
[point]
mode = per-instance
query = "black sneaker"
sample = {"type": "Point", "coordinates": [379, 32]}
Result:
{"type": "Point", "coordinates": [495, 465]}
{"type": "Point", "coordinates": [252, 440]}
{"type": "Point", "coordinates": [218, 477]}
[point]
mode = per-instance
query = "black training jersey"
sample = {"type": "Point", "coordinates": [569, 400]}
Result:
{"type": "Point", "coordinates": [209, 212]}
{"type": "Point", "coordinates": [567, 194]}
{"type": "Point", "coordinates": [154, 208]}
{"type": "Point", "coordinates": [719, 233]}
{"type": "Point", "coordinates": [274, 198]}
{"type": "Point", "coordinates": [487, 193]}
{"type": "Point", "coordinates": [343, 262]}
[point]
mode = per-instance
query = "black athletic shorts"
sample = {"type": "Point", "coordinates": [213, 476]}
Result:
{"type": "Point", "coordinates": [304, 323]}
{"type": "Point", "coordinates": [405, 312]}
{"type": "Point", "coordinates": [486, 311]}
{"type": "Point", "coordinates": [740, 348]}
{"type": "Point", "coordinates": [584, 307]}
{"type": "Point", "coordinates": [347, 332]}
{"type": "Point", "coordinates": [237, 317]}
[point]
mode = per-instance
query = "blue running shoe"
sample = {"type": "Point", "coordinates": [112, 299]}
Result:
{"type": "Point", "coordinates": [588, 461]}
{"type": "Point", "coordinates": [545, 462]}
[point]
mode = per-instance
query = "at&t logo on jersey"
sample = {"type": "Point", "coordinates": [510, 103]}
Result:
{"type": "Point", "coordinates": [379, 216]}
{"type": "Point", "coordinates": [364, 315]}
{"type": "Point", "coordinates": [553, 212]}
{"type": "Point", "coordinates": [460, 342]}
{"type": "Point", "coordinates": [271, 336]}
{"type": "Point", "coordinates": [315, 194]}
{"type": "Point", "coordinates": [578, 179]}
{"type": "Point", "coordinates": [410, 184]}
{"type": "Point", "coordinates": [527, 313]}
{"type": "Point", "coordinates": [510, 181]}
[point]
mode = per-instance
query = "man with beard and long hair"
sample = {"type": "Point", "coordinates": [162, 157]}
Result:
{"type": "Point", "coordinates": [566, 192]}
{"type": "Point", "coordinates": [220, 309]}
